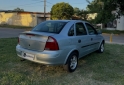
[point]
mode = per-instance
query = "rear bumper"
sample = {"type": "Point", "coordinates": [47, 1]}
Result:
{"type": "Point", "coordinates": [45, 57]}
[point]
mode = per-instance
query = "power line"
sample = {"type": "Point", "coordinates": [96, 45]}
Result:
{"type": "Point", "coordinates": [33, 5]}
{"type": "Point", "coordinates": [49, 2]}
{"type": "Point", "coordinates": [45, 8]}
{"type": "Point", "coordinates": [77, 3]}
{"type": "Point", "coordinates": [37, 0]}
{"type": "Point", "coordinates": [25, 4]}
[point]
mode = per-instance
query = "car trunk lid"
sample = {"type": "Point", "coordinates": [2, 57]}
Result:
{"type": "Point", "coordinates": [33, 40]}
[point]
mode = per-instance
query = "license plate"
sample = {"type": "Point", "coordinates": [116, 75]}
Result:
{"type": "Point", "coordinates": [28, 56]}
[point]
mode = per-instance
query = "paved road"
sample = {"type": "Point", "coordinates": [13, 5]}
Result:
{"type": "Point", "coordinates": [9, 33]}
{"type": "Point", "coordinates": [115, 38]}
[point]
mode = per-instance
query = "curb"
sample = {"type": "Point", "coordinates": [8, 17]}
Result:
{"type": "Point", "coordinates": [114, 43]}
{"type": "Point", "coordinates": [105, 34]}
{"type": "Point", "coordinates": [110, 34]}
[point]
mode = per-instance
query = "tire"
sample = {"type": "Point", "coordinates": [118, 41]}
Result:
{"type": "Point", "coordinates": [101, 48]}
{"type": "Point", "coordinates": [72, 62]}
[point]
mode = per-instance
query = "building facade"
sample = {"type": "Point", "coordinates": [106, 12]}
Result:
{"type": "Point", "coordinates": [120, 23]}
{"type": "Point", "coordinates": [23, 18]}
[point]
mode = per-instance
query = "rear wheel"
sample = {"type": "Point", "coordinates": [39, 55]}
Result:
{"type": "Point", "coordinates": [101, 48]}
{"type": "Point", "coordinates": [72, 62]}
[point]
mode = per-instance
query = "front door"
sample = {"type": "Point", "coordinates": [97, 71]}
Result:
{"type": "Point", "coordinates": [95, 40]}
{"type": "Point", "coordinates": [82, 39]}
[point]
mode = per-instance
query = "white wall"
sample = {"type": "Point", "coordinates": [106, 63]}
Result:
{"type": "Point", "coordinates": [120, 23]}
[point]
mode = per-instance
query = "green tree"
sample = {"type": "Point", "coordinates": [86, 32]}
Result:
{"type": "Point", "coordinates": [61, 11]}
{"type": "Point", "coordinates": [82, 14]}
{"type": "Point", "coordinates": [120, 4]}
{"type": "Point", "coordinates": [104, 9]}
{"type": "Point", "coordinates": [18, 9]}
{"type": "Point", "coordinates": [116, 4]}
{"type": "Point", "coordinates": [76, 11]}
{"type": "Point", "coordinates": [93, 6]}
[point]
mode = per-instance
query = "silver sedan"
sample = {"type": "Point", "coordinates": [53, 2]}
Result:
{"type": "Point", "coordinates": [59, 42]}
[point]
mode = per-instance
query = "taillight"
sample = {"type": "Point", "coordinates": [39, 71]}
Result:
{"type": "Point", "coordinates": [51, 44]}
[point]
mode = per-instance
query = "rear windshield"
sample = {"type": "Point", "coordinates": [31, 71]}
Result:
{"type": "Point", "coordinates": [50, 26]}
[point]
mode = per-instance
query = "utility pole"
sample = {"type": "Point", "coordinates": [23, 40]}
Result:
{"type": "Point", "coordinates": [44, 10]}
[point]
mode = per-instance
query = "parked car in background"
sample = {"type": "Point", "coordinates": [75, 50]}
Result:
{"type": "Point", "coordinates": [59, 42]}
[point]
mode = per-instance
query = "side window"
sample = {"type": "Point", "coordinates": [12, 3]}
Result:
{"type": "Point", "coordinates": [80, 29]}
{"type": "Point", "coordinates": [71, 31]}
{"type": "Point", "coordinates": [90, 29]}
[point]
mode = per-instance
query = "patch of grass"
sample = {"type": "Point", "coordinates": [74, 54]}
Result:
{"type": "Point", "coordinates": [94, 69]}
{"type": "Point", "coordinates": [15, 26]}
{"type": "Point", "coordinates": [113, 31]}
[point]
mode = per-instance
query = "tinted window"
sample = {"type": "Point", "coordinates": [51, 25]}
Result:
{"type": "Point", "coordinates": [80, 29]}
{"type": "Point", "coordinates": [71, 31]}
{"type": "Point", "coordinates": [50, 26]}
{"type": "Point", "coordinates": [90, 29]}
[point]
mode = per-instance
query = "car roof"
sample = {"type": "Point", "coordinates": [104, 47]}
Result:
{"type": "Point", "coordinates": [67, 20]}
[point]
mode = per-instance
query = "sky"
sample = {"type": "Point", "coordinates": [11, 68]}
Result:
{"type": "Point", "coordinates": [38, 5]}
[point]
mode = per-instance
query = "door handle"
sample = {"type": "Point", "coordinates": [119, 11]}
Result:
{"type": "Point", "coordinates": [91, 39]}
{"type": "Point", "coordinates": [79, 41]}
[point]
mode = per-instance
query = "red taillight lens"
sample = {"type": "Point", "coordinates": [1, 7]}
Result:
{"type": "Point", "coordinates": [51, 44]}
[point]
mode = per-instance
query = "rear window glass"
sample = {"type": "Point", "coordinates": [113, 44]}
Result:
{"type": "Point", "coordinates": [50, 26]}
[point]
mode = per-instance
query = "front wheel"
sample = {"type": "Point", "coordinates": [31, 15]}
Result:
{"type": "Point", "coordinates": [101, 48]}
{"type": "Point", "coordinates": [72, 62]}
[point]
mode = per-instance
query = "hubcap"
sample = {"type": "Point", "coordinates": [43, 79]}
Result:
{"type": "Point", "coordinates": [102, 48]}
{"type": "Point", "coordinates": [73, 62]}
